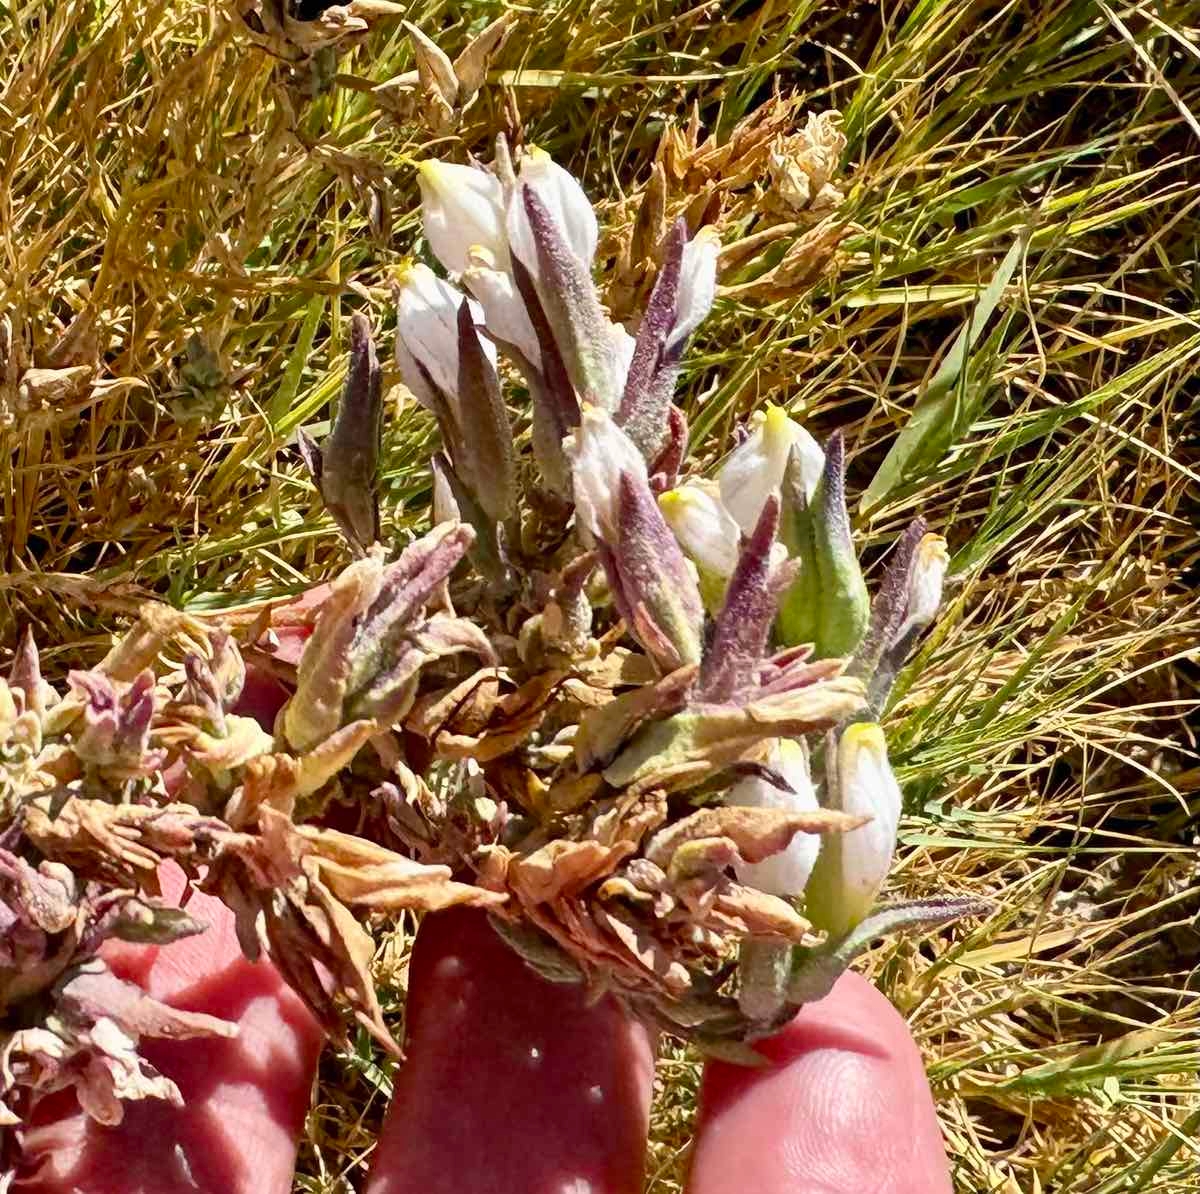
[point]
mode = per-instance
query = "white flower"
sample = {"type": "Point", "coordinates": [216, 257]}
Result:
{"type": "Point", "coordinates": [785, 873]}
{"type": "Point", "coordinates": [599, 452]}
{"type": "Point", "coordinates": [924, 585]}
{"type": "Point", "coordinates": [461, 207]}
{"type": "Point", "coordinates": [705, 529]}
{"type": "Point", "coordinates": [697, 284]}
{"type": "Point", "coordinates": [852, 866]}
{"type": "Point", "coordinates": [504, 313]}
{"type": "Point", "coordinates": [427, 334]}
{"type": "Point", "coordinates": [754, 470]}
{"type": "Point", "coordinates": [567, 204]}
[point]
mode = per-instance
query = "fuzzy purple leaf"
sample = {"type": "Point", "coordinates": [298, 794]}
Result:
{"type": "Point", "coordinates": [572, 309]}
{"type": "Point", "coordinates": [739, 639]}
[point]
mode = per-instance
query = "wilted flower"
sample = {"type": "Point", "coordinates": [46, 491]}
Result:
{"type": "Point", "coordinates": [851, 868]}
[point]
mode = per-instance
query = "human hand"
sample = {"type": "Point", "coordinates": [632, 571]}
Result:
{"type": "Point", "coordinates": [510, 1084]}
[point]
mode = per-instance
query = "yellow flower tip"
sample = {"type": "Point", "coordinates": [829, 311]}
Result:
{"type": "Point", "coordinates": [777, 425]}
{"type": "Point", "coordinates": [933, 549]}
{"type": "Point", "coordinates": [402, 273]}
{"type": "Point", "coordinates": [673, 501]}
{"type": "Point", "coordinates": [481, 257]}
{"type": "Point", "coordinates": [865, 735]}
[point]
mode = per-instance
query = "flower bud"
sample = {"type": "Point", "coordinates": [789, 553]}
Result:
{"type": "Point", "coordinates": [427, 336]}
{"type": "Point", "coordinates": [785, 873]}
{"type": "Point", "coordinates": [925, 582]}
{"type": "Point", "coordinates": [827, 605]}
{"type": "Point", "coordinates": [852, 866]}
{"type": "Point", "coordinates": [461, 207]}
{"type": "Point", "coordinates": [754, 469]}
{"type": "Point", "coordinates": [706, 532]}
{"type": "Point", "coordinates": [566, 204]}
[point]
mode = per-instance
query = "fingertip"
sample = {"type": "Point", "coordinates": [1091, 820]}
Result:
{"type": "Point", "coordinates": [510, 1082]}
{"type": "Point", "coordinates": [843, 1106]}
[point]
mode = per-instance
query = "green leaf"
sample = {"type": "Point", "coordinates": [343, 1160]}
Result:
{"type": "Point", "coordinates": [941, 413]}
{"type": "Point", "coordinates": [281, 401]}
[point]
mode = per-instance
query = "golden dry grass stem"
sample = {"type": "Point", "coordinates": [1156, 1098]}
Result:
{"type": "Point", "coordinates": [190, 207]}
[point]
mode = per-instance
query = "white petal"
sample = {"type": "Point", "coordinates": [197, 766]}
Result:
{"type": "Point", "coordinates": [705, 529]}
{"type": "Point", "coordinates": [427, 331]}
{"type": "Point", "coordinates": [624, 344]}
{"type": "Point", "coordinates": [461, 206]}
{"type": "Point", "coordinates": [866, 787]}
{"type": "Point", "coordinates": [697, 284]}
{"type": "Point", "coordinates": [925, 584]}
{"type": "Point", "coordinates": [599, 452]}
{"type": "Point", "coordinates": [568, 207]}
{"type": "Point", "coordinates": [504, 313]}
{"type": "Point", "coordinates": [754, 470]}
{"type": "Point", "coordinates": [785, 873]}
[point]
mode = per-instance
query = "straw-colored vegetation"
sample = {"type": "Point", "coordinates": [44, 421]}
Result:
{"type": "Point", "coordinates": [186, 222]}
